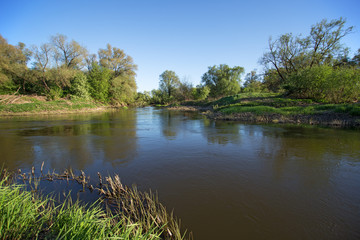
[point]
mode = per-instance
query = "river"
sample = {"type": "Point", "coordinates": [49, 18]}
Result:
{"type": "Point", "coordinates": [225, 180]}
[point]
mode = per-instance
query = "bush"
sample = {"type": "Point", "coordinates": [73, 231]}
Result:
{"type": "Point", "coordinates": [80, 86]}
{"type": "Point", "coordinates": [324, 83]}
{"type": "Point", "coordinates": [55, 93]}
{"type": "Point", "coordinates": [200, 93]}
{"type": "Point", "coordinates": [99, 80]}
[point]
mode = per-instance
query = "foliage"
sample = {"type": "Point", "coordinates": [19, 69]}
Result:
{"type": "Point", "coordinates": [122, 89]}
{"type": "Point", "coordinates": [252, 83]}
{"type": "Point", "coordinates": [117, 61]}
{"type": "Point", "coordinates": [143, 99]}
{"type": "Point", "coordinates": [168, 84]}
{"type": "Point", "coordinates": [200, 92]}
{"type": "Point", "coordinates": [325, 83]}
{"type": "Point", "coordinates": [289, 54]}
{"type": "Point", "coordinates": [80, 86]}
{"type": "Point", "coordinates": [184, 91]}
{"type": "Point", "coordinates": [157, 96]}
{"type": "Point", "coordinates": [223, 80]}
{"type": "Point", "coordinates": [99, 80]}
{"type": "Point", "coordinates": [68, 54]}
{"type": "Point", "coordinates": [12, 66]}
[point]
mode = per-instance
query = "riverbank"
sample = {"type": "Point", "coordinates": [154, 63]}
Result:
{"type": "Point", "coordinates": [23, 105]}
{"type": "Point", "coordinates": [274, 108]}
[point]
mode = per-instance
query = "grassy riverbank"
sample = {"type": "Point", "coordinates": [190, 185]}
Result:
{"type": "Point", "coordinates": [11, 105]}
{"type": "Point", "coordinates": [120, 212]}
{"type": "Point", "coordinates": [274, 108]}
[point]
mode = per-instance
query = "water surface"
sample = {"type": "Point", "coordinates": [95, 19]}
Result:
{"type": "Point", "coordinates": [225, 180]}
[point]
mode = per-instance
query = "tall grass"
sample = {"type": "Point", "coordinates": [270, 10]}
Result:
{"type": "Point", "coordinates": [21, 216]}
{"type": "Point", "coordinates": [130, 214]}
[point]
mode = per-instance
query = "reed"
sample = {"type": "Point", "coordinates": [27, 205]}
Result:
{"type": "Point", "coordinates": [121, 212]}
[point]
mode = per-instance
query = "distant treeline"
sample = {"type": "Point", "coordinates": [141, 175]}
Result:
{"type": "Point", "coordinates": [316, 66]}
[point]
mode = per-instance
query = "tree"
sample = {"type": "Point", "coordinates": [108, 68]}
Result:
{"type": "Point", "coordinates": [42, 61]}
{"type": "Point", "coordinates": [252, 82]}
{"type": "Point", "coordinates": [116, 60]}
{"type": "Point", "coordinates": [99, 80]}
{"type": "Point", "coordinates": [289, 54]}
{"type": "Point", "coordinates": [185, 90]}
{"type": "Point", "coordinates": [223, 80]}
{"type": "Point", "coordinates": [169, 82]}
{"type": "Point", "coordinates": [80, 86]}
{"type": "Point", "coordinates": [68, 54]}
{"type": "Point", "coordinates": [200, 92]}
{"type": "Point", "coordinates": [12, 66]}
{"type": "Point", "coordinates": [122, 89]}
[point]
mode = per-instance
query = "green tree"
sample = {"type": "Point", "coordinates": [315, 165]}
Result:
{"type": "Point", "coordinates": [200, 92]}
{"type": "Point", "coordinates": [80, 86]}
{"type": "Point", "coordinates": [99, 80]}
{"type": "Point", "coordinates": [325, 83]}
{"type": "Point", "coordinates": [168, 84]}
{"type": "Point", "coordinates": [116, 60]}
{"type": "Point", "coordinates": [184, 91]}
{"type": "Point", "coordinates": [289, 54]}
{"type": "Point", "coordinates": [13, 67]}
{"type": "Point", "coordinates": [122, 89]}
{"type": "Point", "coordinates": [123, 84]}
{"type": "Point", "coordinates": [252, 82]}
{"type": "Point", "coordinates": [272, 81]}
{"type": "Point", "coordinates": [223, 80]}
{"type": "Point", "coordinates": [68, 54]}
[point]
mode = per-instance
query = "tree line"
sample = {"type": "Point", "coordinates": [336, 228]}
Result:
{"type": "Point", "coordinates": [64, 68]}
{"type": "Point", "coordinates": [316, 67]}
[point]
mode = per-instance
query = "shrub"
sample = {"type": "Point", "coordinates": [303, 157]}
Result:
{"type": "Point", "coordinates": [80, 86]}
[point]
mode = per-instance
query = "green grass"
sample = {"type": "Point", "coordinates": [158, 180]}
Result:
{"type": "Point", "coordinates": [36, 106]}
{"type": "Point", "coordinates": [269, 103]}
{"type": "Point", "coordinates": [23, 216]}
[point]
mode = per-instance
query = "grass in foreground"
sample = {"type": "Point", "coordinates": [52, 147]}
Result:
{"type": "Point", "coordinates": [129, 214]}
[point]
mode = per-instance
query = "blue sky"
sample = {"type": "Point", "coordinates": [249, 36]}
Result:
{"type": "Point", "coordinates": [183, 36]}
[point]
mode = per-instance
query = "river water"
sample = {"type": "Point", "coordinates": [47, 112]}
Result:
{"type": "Point", "coordinates": [225, 180]}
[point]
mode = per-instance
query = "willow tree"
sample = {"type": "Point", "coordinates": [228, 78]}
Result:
{"type": "Point", "coordinates": [289, 54]}
{"type": "Point", "coordinates": [223, 80]}
{"type": "Point", "coordinates": [68, 54]}
{"type": "Point", "coordinates": [122, 66]}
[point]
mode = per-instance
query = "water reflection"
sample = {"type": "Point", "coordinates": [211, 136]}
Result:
{"type": "Point", "coordinates": [76, 141]}
{"type": "Point", "coordinates": [259, 181]}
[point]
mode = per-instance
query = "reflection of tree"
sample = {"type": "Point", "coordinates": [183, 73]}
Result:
{"type": "Point", "coordinates": [170, 121]}
{"type": "Point", "coordinates": [221, 132]}
{"type": "Point", "coordinates": [15, 152]}
{"type": "Point", "coordinates": [311, 155]}
{"type": "Point", "coordinates": [117, 136]}
{"type": "Point", "coordinates": [71, 141]}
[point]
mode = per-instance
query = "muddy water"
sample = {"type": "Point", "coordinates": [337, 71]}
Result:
{"type": "Point", "coordinates": [224, 180]}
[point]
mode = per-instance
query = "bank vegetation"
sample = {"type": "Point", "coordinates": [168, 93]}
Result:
{"type": "Point", "coordinates": [120, 212]}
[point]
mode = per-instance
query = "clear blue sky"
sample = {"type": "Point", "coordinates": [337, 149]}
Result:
{"type": "Point", "coordinates": [183, 36]}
